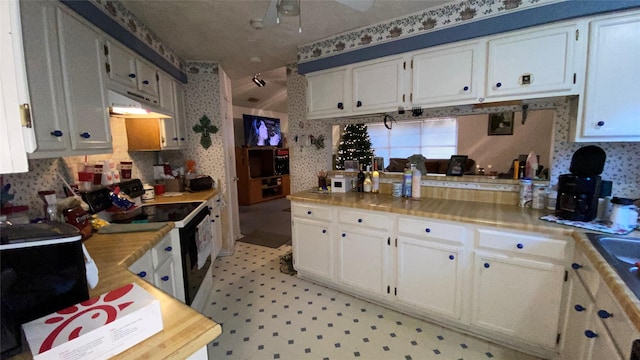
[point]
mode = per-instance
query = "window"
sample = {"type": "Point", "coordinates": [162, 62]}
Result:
{"type": "Point", "coordinates": [433, 138]}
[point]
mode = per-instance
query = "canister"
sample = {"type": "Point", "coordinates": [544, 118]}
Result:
{"type": "Point", "coordinates": [397, 189]}
{"type": "Point", "coordinates": [149, 194]}
{"type": "Point", "coordinates": [539, 196]}
{"type": "Point", "coordinates": [526, 193]}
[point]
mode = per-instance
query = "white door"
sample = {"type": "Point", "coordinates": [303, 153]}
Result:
{"type": "Point", "coordinates": [169, 139]}
{"type": "Point", "coordinates": [13, 158]}
{"type": "Point", "coordinates": [122, 65]}
{"type": "Point", "coordinates": [612, 103]}
{"type": "Point", "coordinates": [429, 275]}
{"type": "Point", "coordinates": [165, 92]}
{"type": "Point", "coordinates": [164, 277]}
{"type": "Point", "coordinates": [535, 61]}
{"type": "Point", "coordinates": [378, 86]}
{"type": "Point", "coordinates": [579, 310]}
{"type": "Point", "coordinates": [362, 259]}
{"type": "Point", "coordinates": [147, 79]}
{"type": "Point", "coordinates": [447, 75]}
{"type": "Point", "coordinates": [313, 248]}
{"type": "Point", "coordinates": [517, 297]}
{"type": "Point", "coordinates": [327, 93]}
{"type": "Point", "coordinates": [44, 73]}
{"type": "Point", "coordinates": [599, 343]}
{"type": "Point", "coordinates": [179, 115]}
{"type": "Point", "coordinates": [82, 60]}
{"type": "Point", "coordinates": [231, 177]}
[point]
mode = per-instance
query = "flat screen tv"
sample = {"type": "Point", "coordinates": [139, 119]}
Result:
{"type": "Point", "coordinates": [261, 131]}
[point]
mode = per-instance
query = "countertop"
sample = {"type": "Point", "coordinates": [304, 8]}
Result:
{"type": "Point", "coordinates": [495, 215]}
{"type": "Point", "coordinates": [185, 330]}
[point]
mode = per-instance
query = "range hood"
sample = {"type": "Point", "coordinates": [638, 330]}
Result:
{"type": "Point", "coordinates": [129, 107]}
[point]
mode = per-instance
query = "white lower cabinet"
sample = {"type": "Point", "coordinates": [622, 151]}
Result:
{"type": "Point", "coordinates": [143, 267]}
{"type": "Point", "coordinates": [313, 248]}
{"type": "Point", "coordinates": [597, 326]}
{"type": "Point", "coordinates": [164, 277]}
{"type": "Point", "coordinates": [517, 297]}
{"type": "Point", "coordinates": [216, 225]}
{"type": "Point", "coordinates": [429, 276]}
{"type": "Point", "coordinates": [157, 267]}
{"type": "Point", "coordinates": [504, 285]}
{"type": "Point", "coordinates": [362, 259]}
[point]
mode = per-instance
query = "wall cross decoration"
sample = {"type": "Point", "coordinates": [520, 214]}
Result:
{"type": "Point", "coordinates": [206, 129]}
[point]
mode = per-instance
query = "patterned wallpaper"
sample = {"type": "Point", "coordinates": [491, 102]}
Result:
{"type": "Point", "coordinates": [433, 19]}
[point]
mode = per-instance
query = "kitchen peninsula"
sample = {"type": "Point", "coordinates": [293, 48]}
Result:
{"type": "Point", "coordinates": [186, 332]}
{"type": "Point", "coordinates": [489, 269]}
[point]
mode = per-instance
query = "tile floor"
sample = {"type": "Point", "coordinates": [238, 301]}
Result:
{"type": "Point", "coordinates": [266, 314]}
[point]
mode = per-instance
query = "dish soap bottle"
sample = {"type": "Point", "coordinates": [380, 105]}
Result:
{"type": "Point", "coordinates": [360, 179]}
{"type": "Point", "coordinates": [375, 179]}
{"type": "Point", "coordinates": [416, 176]}
{"type": "Point", "coordinates": [367, 181]}
{"type": "Point", "coordinates": [406, 182]}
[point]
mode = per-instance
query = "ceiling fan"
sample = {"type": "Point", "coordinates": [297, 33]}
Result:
{"type": "Point", "coordinates": [278, 8]}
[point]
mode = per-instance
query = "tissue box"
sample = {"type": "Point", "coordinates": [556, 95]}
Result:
{"type": "Point", "coordinates": [98, 328]}
{"type": "Point", "coordinates": [173, 185]}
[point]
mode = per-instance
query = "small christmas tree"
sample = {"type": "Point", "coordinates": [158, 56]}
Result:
{"type": "Point", "coordinates": [355, 144]}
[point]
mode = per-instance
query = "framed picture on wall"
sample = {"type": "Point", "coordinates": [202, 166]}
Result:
{"type": "Point", "coordinates": [501, 123]}
{"type": "Point", "coordinates": [456, 165]}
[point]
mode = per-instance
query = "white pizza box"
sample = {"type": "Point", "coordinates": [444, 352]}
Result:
{"type": "Point", "coordinates": [98, 328]}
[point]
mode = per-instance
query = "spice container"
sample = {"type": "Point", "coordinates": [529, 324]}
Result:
{"type": "Point", "coordinates": [526, 193]}
{"type": "Point", "coordinates": [539, 196]}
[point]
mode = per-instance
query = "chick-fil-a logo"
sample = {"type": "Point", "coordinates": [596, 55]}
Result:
{"type": "Point", "coordinates": [71, 314]}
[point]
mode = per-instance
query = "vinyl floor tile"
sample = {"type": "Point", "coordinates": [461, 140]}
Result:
{"type": "Point", "coordinates": [266, 314]}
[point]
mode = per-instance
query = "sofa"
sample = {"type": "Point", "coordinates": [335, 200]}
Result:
{"type": "Point", "coordinates": [433, 166]}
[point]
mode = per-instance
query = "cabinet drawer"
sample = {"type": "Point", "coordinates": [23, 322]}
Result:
{"type": "Point", "coordinates": [431, 229]}
{"type": "Point", "coordinates": [162, 251]}
{"type": "Point", "coordinates": [623, 332]}
{"type": "Point", "coordinates": [311, 212]}
{"type": "Point", "coordinates": [367, 219]}
{"type": "Point", "coordinates": [586, 272]}
{"type": "Point", "coordinates": [143, 268]}
{"type": "Point", "coordinates": [522, 243]}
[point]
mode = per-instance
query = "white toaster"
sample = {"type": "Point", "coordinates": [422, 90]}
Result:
{"type": "Point", "coordinates": [340, 184]}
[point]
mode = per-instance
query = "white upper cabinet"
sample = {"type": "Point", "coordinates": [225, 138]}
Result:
{"type": "Point", "coordinates": [166, 93]}
{"type": "Point", "coordinates": [121, 65]}
{"type": "Point", "coordinates": [609, 109]}
{"type": "Point", "coordinates": [81, 53]}
{"type": "Point", "coordinates": [533, 63]}
{"type": "Point", "coordinates": [448, 75]}
{"type": "Point", "coordinates": [328, 93]}
{"type": "Point", "coordinates": [13, 158]}
{"type": "Point", "coordinates": [127, 73]}
{"type": "Point", "coordinates": [378, 85]}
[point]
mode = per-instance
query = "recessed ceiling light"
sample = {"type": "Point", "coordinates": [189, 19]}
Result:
{"type": "Point", "coordinates": [257, 23]}
{"type": "Point", "coordinates": [255, 60]}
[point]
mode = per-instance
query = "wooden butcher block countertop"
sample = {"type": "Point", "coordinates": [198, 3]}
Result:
{"type": "Point", "coordinates": [185, 330]}
{"type": "Point", "coordinates": [496, 215]}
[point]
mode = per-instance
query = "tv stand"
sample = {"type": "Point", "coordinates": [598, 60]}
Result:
{"type": "Point", "coordinates": [263, 174]}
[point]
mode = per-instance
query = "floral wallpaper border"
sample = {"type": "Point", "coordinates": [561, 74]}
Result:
{"type": "Point", "coordinates": [447, 15]}
{"type": "Point", "coordinates": [119, 13]}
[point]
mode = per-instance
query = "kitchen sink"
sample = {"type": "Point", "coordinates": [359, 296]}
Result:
{"type": "Point", "coordinates": [623, 254]}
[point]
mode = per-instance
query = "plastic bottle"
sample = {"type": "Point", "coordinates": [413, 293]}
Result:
{"type": "Point", "coordinates": [375, 178]}
{"type": "Point", "coordinates": [367, 185]}
{"type": "Point", "coordinates": [360, 180]}
{"type": "Point", "coordinates": [406, 182]}
{"type": "Point", "coordinates": [416, 176]}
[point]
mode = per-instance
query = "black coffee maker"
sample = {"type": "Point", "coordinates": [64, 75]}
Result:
{"type": "Point", "coordinates": [578, 192]}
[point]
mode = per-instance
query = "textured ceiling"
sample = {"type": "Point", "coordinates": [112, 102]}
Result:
{"type": "Point", "coordinates": [199, 30]}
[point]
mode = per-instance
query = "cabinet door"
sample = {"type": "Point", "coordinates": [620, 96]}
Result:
{"type": "Point", "coordinates": [378, 86]}
{"type": "Point", "coordinates": [82, 60]}
{"type": "Point", "coordinates": [362, 259]}
{"type": "Point", "coordinates": [517, 297]}
{"type": "Point", "coordinates": [429, 275]}
{"type": "Point", "coordinates": [447, 75]}
{"type": "Point", "coordinates": [611, 104]}
{"type": "Point", "coordinates": [313, 248]}
{"type": "Point", "coordinates": [143, 267]}
{"type": "Point", "coordinates": [44, 75]}
{"type": "Point", "coordinates": [579, 310]}
{"type": "Point", "coordinates": [532, 62]}
{"type": "Point", "coordinates": [122, 65]}
{"type": "Point", "coordinates": [165, 93]}
{"type": "Point", "coordinates": [327, 93]}
{"type": "Point", "coordinates": [169, 139]}
{"type": "Point", "coordinates": [164, 277]}
{"type": "Point", "coordinates": [147, 80]}
{"type": "Point", "coordinates": [13, 158]}
{"type": "Point", "coordinates": [179, 114]}
{"type": "Point", "coordinates": [600, 345]}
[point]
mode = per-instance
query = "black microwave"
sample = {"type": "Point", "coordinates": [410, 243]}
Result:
{"type": "Point", "coordinates": [43, 271]}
